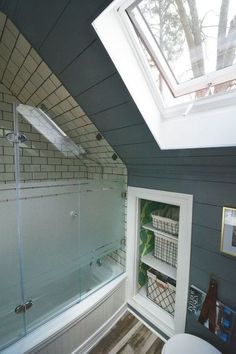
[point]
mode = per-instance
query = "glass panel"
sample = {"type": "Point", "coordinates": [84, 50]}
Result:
{"type": "Point", "coordinates": [50, 225]}
{"type": "Point", "coordinates": [71, 235]}
{"type": "Point", "coordinates": [11, 324]}
{"type": "Point", "coordinates": [102, 242]}
{"type": "Point", "coordinates": [196, 37]}
{"type": "Point", "coordinates": [51, 245]}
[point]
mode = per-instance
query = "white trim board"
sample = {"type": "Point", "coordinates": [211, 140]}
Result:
{"type": "Point", "coordinates": [147, 325]}
{"type": "Point", "coordinates": [212, 126]}
{"type": "Point", "coordinates": [141, 304]}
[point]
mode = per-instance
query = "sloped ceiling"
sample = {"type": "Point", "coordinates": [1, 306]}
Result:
{"type": "Point", "coordinates": [61, 32]}
{"type": "Point", "coordinates": [31, 81]}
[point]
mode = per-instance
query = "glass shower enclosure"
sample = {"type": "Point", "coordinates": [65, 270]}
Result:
{"type": "Point", "coordinates": [62, 235]}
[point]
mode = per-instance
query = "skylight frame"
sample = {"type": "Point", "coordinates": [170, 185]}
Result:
{"type": "Point", "coordinates": [211, 121]}
{"type": "Point", "coordinates": [134, 42]}
{"type": "Point", "coordinates": [177, 89]}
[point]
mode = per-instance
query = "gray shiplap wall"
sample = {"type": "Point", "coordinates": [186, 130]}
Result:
{"type": "Point", "coordinates": [62, 34]}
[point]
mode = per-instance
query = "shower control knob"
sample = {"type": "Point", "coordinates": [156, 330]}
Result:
{"type": "Point", "coordinates": [74, 213]}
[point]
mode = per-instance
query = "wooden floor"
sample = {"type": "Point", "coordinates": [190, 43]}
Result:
{"type": "Point", "coordinates": [129, 336]}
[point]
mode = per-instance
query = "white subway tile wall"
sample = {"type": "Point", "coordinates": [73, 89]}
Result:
{"type": "Point", "coordinates": [25, 78]}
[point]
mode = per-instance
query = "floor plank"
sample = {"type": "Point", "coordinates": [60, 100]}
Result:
{"type": "Point", "coordinates": [129, 336]}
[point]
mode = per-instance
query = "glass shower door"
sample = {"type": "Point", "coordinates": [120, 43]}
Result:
{"type": "Point", "coordinates": [101, 233]}
{"type": "Point", "coordinates": [12, 322]}
{"type": "Point", "coordinates": [49, 198]}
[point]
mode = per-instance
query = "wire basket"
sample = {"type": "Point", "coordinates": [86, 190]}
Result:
{"type": "Point", "coordinates": [165, 224]}
{"type": "Point", "coordinates": [166, 248]}
{"type": "Point", "coordinates": [161, 291]}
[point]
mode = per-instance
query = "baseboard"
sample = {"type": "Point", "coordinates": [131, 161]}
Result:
{"type": "Point", "coordinates": [90, 343]}
{"type": "Point", "coordinates": [150, 326]}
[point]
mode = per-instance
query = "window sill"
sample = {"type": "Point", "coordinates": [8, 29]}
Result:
{"type": "Point", "coordinates": [218, 101]}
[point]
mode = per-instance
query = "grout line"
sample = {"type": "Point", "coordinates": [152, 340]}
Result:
{"type": "Point", "coordinates": [31, 74]}
{"type": "Point", "coordinates": [57, 104]}
{"type": "Point", "coordinates": [69, 110]}
{"type": "Point", "coordinates": [38, 87]}
{"type": "Point", "coordinates": [4, 27]}
{"type": "Point", "coordinates": [14, 46]}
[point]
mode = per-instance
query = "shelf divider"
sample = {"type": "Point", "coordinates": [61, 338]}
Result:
{"type": "Point", "coordinates": [150, 227]}
{"type": "Point", "coordinates": [159, 265]}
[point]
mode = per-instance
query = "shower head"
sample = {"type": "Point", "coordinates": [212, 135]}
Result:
{"type": "Point", "coordinates": [16, 138]}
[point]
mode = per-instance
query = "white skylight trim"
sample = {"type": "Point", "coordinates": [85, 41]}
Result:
{"type": "Point", "coordinates": [211, 121]}
{"type": "Point", "coordinates": [50, 130]}
{"type": "Point", "coordinates": [213, 76]}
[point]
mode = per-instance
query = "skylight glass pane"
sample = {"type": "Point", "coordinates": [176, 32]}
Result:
{"type": "Point", "coordinates": [195, 37]}
{"type": "Point", "coordinates": [168, 99]}
{"type": "Point", "coordinates": [50, 130]}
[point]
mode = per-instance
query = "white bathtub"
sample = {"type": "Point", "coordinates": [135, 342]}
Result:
{"type": "Point", "coordinates": [110, 298]}
{"type": "Point", "coordinates": [71, 290]}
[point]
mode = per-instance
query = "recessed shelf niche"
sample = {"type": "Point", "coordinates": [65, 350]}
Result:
{"type": "Point", "coordinates": [158, 257]}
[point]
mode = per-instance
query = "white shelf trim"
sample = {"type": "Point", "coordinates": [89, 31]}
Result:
{"type": "Point", "coordinates": [138, 302]}
{"type": "Point", "coordinates": [150, 227]}
{"type": "Point", "coordinates": [159, 265]}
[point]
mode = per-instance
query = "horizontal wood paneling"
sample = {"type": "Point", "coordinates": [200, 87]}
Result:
{"type": "Point", "coordinates": [71, 48]}
{"type": "Point", "coordinates": [204, 259]}
{"type": "Point", "coordinates": [92, 65]}
{"type": "Point", "coordinates": [71, 34]}
{"type": "Point", "coordinates": [116, 118]}
{"type": "Point", "coordinates": [202, 161]}
{"type": "Point", "coordinates": [206, 237]}
{"type": "Point", "coordinates": [9, 7]}
{"type": "Point", "coordinates": [207, 192]}
{"type": "Point", "coordinates": [106, 94]}
{"type": "Point", "coordinates": [34, 18]}
{"type": "Point", "coordinates": [193, 173]}
{"type": "Point", "coordinates": [129, 134]}
{"type": "Point", "coordinates": [207, 215]}
{"type": "Point", "coordinates": [153, 150]}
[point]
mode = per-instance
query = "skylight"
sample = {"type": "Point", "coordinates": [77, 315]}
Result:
{"type": "Point", "coordinates": [189, 45]}
{"type": "Point", "coordinates": [183, 108]}
{"type": "Point", "coordinates": [50, 130]}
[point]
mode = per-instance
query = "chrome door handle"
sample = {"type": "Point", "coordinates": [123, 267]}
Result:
{"type": "Point", "coordinates": [74, 213]}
